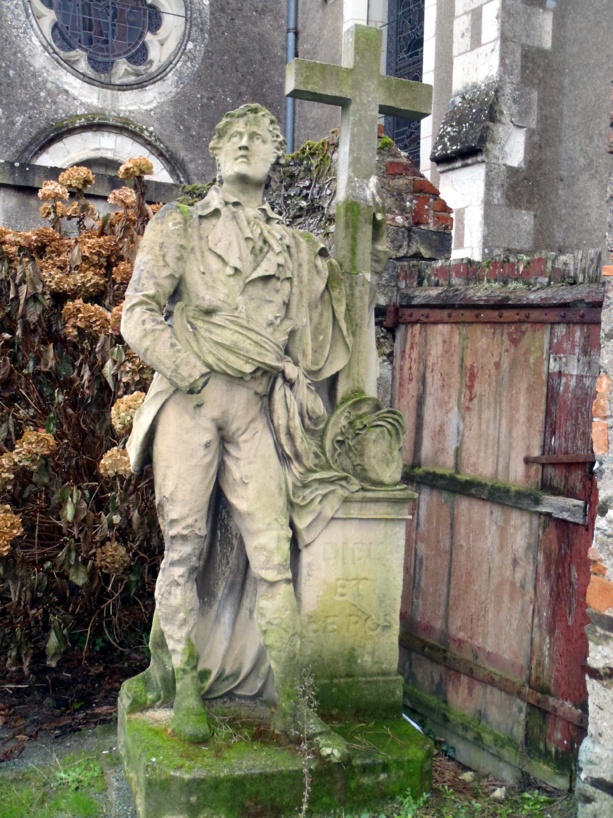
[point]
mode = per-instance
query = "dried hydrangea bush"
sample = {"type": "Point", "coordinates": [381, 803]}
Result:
{"type": "Point", "coordinates": [79, 542]}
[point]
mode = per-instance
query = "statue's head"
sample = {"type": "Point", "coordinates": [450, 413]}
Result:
{"type": "Point", "coordinates": [253, 131]}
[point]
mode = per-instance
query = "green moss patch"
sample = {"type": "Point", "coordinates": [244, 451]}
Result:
{"type": "Point", "coordinates": [244, 771]}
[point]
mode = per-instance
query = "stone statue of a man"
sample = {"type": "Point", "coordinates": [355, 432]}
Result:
{"type": "Point", "coordinates": [237, 314]}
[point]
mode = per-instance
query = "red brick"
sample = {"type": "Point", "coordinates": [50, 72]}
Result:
{"type": "Point", "coordinates": [600, 437]}
{"type": "Point", "coordinates": [535, 268]}
{"type": "Point", "coordinates": [380, 131]}
{"type": "Point", "coordinates": [439, 273]}
{"type": "Point", "coordinates": [422, 209]}
{"type": "Point", "coordinates": [597, 569]}
{"type": "Point", "coordinates": [441, 206]}
{"type": "Point", "coordinates": [407, 274]}
{"type": "Point", "coordinates": [600, 407]}
{"type": "Point", "coordinates": [443, 220]}
{"type": "Point", "coordinates": [424, 186]}
{"type": "Point", "coordinates": [396, 167]}
{"type": "Point", "coordinates": [607, 270]}
{"type": "Point", "coordinates": [603, 383]}
{"type": "Point", "coordinates": [459, 273]}
{"type": "Point", "coordinates": [594, 554]}
{"type": "Point", "coordinates": [600, 594]}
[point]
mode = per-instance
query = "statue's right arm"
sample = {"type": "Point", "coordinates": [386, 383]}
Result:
{"type": "Point", "coordinates": [159, 266]}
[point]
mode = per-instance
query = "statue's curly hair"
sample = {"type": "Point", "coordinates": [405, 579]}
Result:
{"type": "Point", "coordinates": [245, 111]}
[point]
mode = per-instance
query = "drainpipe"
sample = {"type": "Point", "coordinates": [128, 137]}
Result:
{"type": "Point", "coordinates": [290, 102]}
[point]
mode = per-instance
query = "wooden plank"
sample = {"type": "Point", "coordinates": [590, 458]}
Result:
{"type": "Point", "coordinates": [508, 620]}
{"type": "Point", "coordinates": [573, 369]}
{"type": "Point", "coordinates": [441, 417]}
{"type": "Point", "coordinates": [490, 613]}
{"type": "Point", "coordinates": [499, 681]}
{"type": "Point", "coordinates": [564, 508]}
{"type": "Point", "coordinates": [481, 400]}
{"type": "Point", "coordinates": [581, 295]}
{"type": "Point", "coordinates": [408, 384]}
{"type": "Point", "coordinates": [523, 399]}
{"type": "Point", "coordinates": [559, 643]}
{"type": "Point", "coordinates": [469, 599]}
{"type": "Point", "coordinates": [431, 566]}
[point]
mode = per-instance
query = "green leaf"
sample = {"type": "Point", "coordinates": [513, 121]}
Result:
{"type": "Point", "coordinates": [51, 425]}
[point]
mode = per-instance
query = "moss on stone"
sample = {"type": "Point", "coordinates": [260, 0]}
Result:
{"type": "Point", "coordinates": [244, 771]}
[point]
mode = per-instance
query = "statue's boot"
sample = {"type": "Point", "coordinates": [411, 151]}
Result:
{"type": "Point", "coordinates": [155, 686]}
{"type": "Point", "coordinates": [189, 719]}
{"type": "Point", "coordinates": [277, 615]}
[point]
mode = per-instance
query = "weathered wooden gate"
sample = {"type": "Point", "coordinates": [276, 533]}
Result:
{"type": "Point", "coordinates": [497, 387]}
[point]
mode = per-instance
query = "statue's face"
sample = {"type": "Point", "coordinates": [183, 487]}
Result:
{"type": "Point", "coordinates": [247, 152]}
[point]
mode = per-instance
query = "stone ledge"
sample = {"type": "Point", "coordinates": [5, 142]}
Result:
{"type": "Point", "coordinates": [31, 177]}
{"type": "Point", "coordinates": [235, 776]}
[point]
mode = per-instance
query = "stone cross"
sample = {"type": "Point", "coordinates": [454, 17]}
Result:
{"type": "Point", "coordinates": [362, 93]}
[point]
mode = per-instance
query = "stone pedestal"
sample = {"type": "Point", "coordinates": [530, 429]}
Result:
{"type": "Point", "coordinates": [349, 589]}
{"type": "Point", "coordinates": [349, 585]}
{"type": "Point", "coordinates": [242, 772]}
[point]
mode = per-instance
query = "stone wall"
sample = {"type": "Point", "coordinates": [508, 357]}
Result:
{"type": "Point", "coordinates": [595, 782]}
{"type": "Point", "coordinates": [521, 143]}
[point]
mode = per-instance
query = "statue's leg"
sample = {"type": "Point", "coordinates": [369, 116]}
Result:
{"type": "Point", "coordinates": [185, 458]}
{"type": "Point", "coordinates": [155, 686]}
{"type": "Point", "coordinates": [253, 481]}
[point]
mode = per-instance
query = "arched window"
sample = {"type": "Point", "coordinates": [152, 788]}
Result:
{"type": "Point", "coordinates": [102, 150]}
{"type": "Point", "coordinates": [405, 58]}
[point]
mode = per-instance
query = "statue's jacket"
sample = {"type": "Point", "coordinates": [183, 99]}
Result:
{"type": "Point", "coordinates": [221, 288]}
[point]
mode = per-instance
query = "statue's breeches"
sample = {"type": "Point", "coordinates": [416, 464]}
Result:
{"type": "Point", "coordinates": [222, 434]}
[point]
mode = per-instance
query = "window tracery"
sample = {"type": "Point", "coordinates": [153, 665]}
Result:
{"type": "Point", "coordinates": [114, 42]}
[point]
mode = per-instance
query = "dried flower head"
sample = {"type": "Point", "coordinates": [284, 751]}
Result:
{"type": "Point", "coordinates": [155, 208]}
{"type": "Point", "coordinates": [10, 527]}
{"type": "Point", "coordinates": [52, 190]}
{"type": "Point", "coordinates": [77, 177]}
{"type": "Point", "coordinates": [116, 319]}
{"type": "Point", "coordinates": [112, 558]}
{"type": "Point", "coordinates": [123, 197]}
{"type": "Point", "coordinates": [7, 471]}
{"type": "Point", "coordinates": [123, 412]}
{"type": "Point", "coordinates": [141, 166]}
{"type": "Point", "coordinates": [86, 318]}
{"type": "Point", "coordinates": [32, 447]}
{"type": "Point", "coordinates": [122, 272]}
{"type": "Point", "coordinates": [115, 463]}
{"type": "Point", "coordinates": [135, 373]}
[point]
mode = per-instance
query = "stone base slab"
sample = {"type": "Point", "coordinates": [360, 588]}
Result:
{"type": "Point", "coordinates": [242, 772]}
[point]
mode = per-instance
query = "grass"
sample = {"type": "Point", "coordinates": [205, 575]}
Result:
{"type": "Point", "coordinates": [74, 787]}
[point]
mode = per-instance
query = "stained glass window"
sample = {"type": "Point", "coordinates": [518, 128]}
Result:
{"type": "Point", "coordinates": [405, 57]}
{"type": "Point", "coordinates": [105, 30]}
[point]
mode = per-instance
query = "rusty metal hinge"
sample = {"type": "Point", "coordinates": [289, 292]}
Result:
{"type": "Point", "coordinates": [553, 459]}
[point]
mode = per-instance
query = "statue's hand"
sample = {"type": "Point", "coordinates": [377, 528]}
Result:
{"type": "Point", "coordinates": [290, 372]}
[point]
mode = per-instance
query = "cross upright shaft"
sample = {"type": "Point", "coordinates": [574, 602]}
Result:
{"type": "Point", "coordinates": [362, 93]}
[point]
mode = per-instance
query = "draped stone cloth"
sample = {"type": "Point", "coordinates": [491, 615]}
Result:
{"type": "Point", "coordinates": [221, 289]}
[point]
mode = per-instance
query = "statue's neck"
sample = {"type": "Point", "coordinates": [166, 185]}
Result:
{"type": "Point", "coordinates": [248, 195]}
